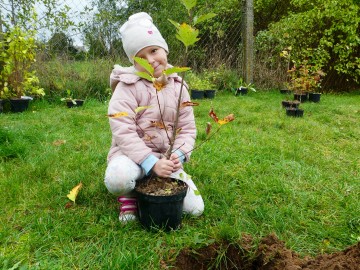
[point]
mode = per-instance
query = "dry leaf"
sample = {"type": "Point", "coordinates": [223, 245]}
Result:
{"type": "Point", "coordinates": [227, 119]}
{"type": "Point", "coordinates": [148, 137]}
{"type": "Point", "coordinates": [188, 103]}
{"type": "Point", "coordinates": [117, 115]}
{"type": "Point", "coordinates": [157, 124]}
{"type": "Point", "coordinates": [74, 192]}
{"type": "Point", "coordinates": [161, 82]}
{"type": "Point", "coordinates": [59, 142]}
{"type": "Point", "coordinates": [213, 115]}
{"type": "Point", "coordinates": [208, 128]}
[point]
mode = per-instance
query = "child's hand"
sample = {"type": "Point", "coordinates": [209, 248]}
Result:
{"type": "Point", "coordinates": [163, 167]}
{"type": "Point", "coordinates": [177, 163]}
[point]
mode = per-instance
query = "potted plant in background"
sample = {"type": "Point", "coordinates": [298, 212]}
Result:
{"type": "Point", "coordinates": [17, 80]}
{"type": "Point", "coordinates": [286, 54]}
{"type": "Point", "coordinates": [195, 86]}
{"type": "Point", "coordinates": [244, 87]}
{"type": "Point", "coordinates": [306, 79]}
{"type": "Point", "coordinates": [201, 86]}
{"type": "Point", "coordinates": [70, 101]}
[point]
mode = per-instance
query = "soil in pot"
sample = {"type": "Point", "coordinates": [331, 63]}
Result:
{"type": "Point", "coordinates": [19, 104]}
{"type": "Point", "coordinates": [197, 94]}
{"type": "Point", "coordinates": [314, 97]}
{"type": "Point", "coordinates": [290, 103]}
{"type": "Point", "coordinates": [296, 112]}
{"type": "Point", "coordinates": [209, 94]}
{"type": "Point", "coordinates": [78, 103]}
{"type": "Point", "coordinates": [160, 202]}
{"type": "Point", "coordinates": [302, 97]}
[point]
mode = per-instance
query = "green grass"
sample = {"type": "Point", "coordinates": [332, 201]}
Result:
{"type": "Point", "coordinates": [264, 172]}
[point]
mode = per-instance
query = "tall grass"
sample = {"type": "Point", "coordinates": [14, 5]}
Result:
{"type": "Point", "coordinates": [265, 172]}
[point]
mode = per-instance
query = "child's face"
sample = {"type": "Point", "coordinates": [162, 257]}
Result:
{"type": "Point", "coordinates": [156, 56]}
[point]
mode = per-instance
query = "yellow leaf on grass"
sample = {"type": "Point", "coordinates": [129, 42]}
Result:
{"type": "Point", "coordinates": [74, 192]}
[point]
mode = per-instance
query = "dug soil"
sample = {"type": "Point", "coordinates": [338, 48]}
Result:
{"type": "Point", "coordinates": [271, 253]}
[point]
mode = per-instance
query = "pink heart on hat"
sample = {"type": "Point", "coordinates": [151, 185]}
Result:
{"type": "Point", "coordinates": [150, 32]}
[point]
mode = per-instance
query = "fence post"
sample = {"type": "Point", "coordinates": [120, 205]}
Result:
{"type": "Point", "coordinates": [248, 41]}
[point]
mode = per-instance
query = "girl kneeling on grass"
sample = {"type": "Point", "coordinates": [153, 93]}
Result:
{"type": "Point", "coordinates": [136, 148]}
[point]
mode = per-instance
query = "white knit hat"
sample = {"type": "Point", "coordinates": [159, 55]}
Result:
{"type": "Point", "coordinates": [140, 32]}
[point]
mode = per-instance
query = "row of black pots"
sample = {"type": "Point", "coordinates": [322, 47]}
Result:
{"type": "Point", "coordinates": [200, 94]}
{"type": "Point", "coordinates": [303, 96]}
{"type": "Point", "coordinates": [292, 108]}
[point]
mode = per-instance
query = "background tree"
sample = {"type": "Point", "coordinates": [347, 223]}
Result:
{"type": "Point", "coordinates": [325, 33]}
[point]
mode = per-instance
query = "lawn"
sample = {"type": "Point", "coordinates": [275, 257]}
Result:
{"type": "Point", "coordinates": [263, 173]}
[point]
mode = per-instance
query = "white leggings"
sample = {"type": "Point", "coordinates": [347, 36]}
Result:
{"type": "Point", "coordinates": [121, 175]}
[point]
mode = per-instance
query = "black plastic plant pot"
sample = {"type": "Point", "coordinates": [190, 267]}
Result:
{"type": "Point", "coordinates": [314, 97]}
{"type": "Point", "coordinates": [285, 91]}
{"type": "Point", "coordinates": [290, 103]}
{"type": "Point", "coordinates": [302, 97]}
{"type": "Point", "coordinates": [78, 103]}
{"type": "Point", "coordinates": [241, 91]}
{"type": "Point", "coordinates": [197, 94]}
{"type": "Point", "coordinates": [209, 94]}
{"type": "Point", "coordinates": [295, 112]}
{"type": "Point", "coordinates": [19, 104]}
{"type": "Point", "coordinates": [161, 212]}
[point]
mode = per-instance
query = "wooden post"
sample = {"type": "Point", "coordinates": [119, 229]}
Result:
{"type": "Point", "coordinates": [248, 41]}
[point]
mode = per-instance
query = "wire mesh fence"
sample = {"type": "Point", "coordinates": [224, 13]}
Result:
{"type": "Point", "coordinates": [78, 29]}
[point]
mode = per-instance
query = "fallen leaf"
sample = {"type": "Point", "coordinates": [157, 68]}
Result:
{"type": "Point", "coordinates": [59, 142]}
{"type": "Point", "coordinates": [74, 192]}
{"type": "Point", "coordinates": [68, 205]}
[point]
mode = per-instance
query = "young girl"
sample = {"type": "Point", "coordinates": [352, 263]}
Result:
{"type": "Point", "coordinates": [137, 148]}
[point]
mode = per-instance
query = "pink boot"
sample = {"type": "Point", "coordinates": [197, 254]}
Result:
{"type": "Point", "coordinates": [128, 209]}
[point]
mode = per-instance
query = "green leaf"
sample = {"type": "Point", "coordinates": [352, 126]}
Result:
{"type": "Point", "coordinates": [145, 64]}
{"type": "Point", "coordinates": [203, 18]}
{"type": "Point", "coordinates": [187, 35]}
{"type": "Point", "coordinates": [145, 76]}
{"type": "Point", "coordinates": [176, 24]}
{"type": "Point", "coordinates": [189, 4]}
{"type": "Point", "coordinates": [197, 192]}
{"type": "Point", "coordinates": [176, 70]}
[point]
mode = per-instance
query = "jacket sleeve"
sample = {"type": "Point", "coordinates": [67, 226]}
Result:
{"type": "Point", "coordinates": [185, 140]}
{"type": "Point", "coordinates": [123, 128]}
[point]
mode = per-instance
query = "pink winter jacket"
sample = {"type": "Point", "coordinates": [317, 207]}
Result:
{"type": "Point", "coordinates": [139, 141]}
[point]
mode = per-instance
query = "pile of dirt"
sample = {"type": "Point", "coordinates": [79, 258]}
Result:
{"type": "Point", "coordinates": [271, 253]}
